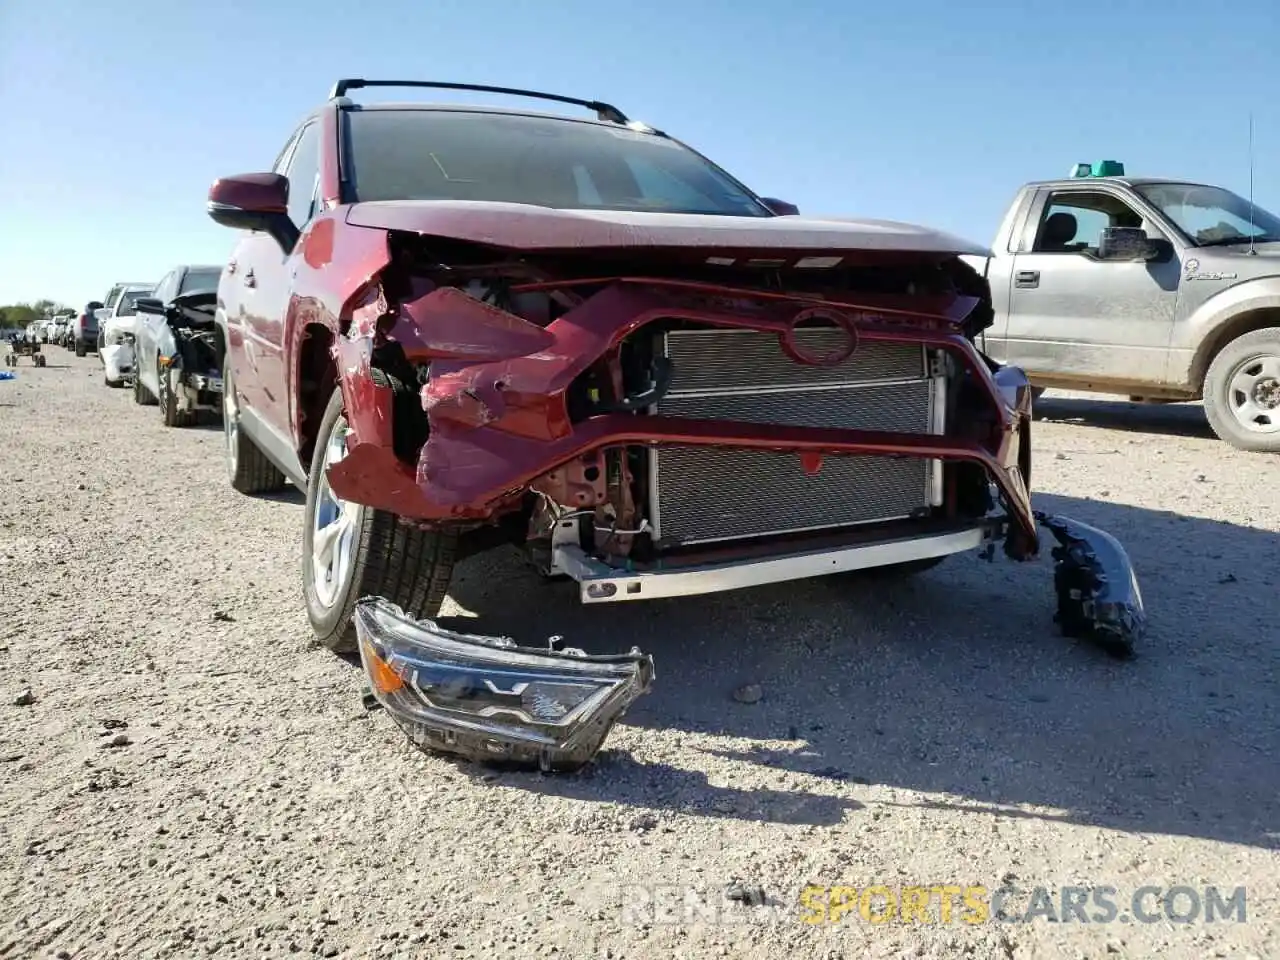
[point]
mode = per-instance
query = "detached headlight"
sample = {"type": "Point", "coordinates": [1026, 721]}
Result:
{"type": "Point", "coordinates": [490, 699]}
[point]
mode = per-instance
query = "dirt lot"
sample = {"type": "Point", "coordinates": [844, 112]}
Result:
{"type": "Point", "coordinates": [194, 778]}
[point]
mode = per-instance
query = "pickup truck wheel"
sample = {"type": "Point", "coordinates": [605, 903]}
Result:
{"type": "Point", "coordinates": [1242, 392]}
{"type": "Point", "coordinates": [248, 468]}
{"type": "Point", "coordinates": [173, 415]}
{"type": "Point", "coordinates": [351, 551]}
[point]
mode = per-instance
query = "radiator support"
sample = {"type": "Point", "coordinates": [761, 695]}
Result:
{"type": "Point", "coordinates": [701, 495]}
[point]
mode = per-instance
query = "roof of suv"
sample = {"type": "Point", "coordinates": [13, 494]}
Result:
{"type": "Point", "coordinates": [400, 106]}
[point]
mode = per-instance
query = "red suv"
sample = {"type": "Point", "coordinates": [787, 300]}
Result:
{"type": "Point", "coordinates": [458, 326]}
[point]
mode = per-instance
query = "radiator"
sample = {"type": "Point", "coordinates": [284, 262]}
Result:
{"type": "Point", "coordinates": [704, 494]}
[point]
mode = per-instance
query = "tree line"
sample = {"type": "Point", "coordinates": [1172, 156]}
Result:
{"type": "Point", "coordinates": [20, 314]}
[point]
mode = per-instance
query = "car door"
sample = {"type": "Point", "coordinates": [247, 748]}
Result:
{"type": "Point", "coordinates": [275, 280]}
{"type": "Point", "coordinates": [148, 333]}
{"type": "Point", "coordinates": [263, 278]}
{"type": "Point", "coordinates": [1076, 318]}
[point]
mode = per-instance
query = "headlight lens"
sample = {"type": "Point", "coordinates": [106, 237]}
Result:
{"type": "Point", "coordinates": [488, 691]}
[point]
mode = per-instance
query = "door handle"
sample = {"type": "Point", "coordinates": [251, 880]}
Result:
{"type": "Point", "coordinates": [1026, 279]}
{"type": "Point", "coordinates": [249, 279]}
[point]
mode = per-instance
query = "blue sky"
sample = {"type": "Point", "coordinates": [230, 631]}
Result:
{"type": "Point", "coordinates": [119, 115]}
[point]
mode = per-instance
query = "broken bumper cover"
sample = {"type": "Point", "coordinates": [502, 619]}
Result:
{"type": "Point", "coordinates": [1098, 594]}
{"type": "Point", "coordinates": [489, 699]}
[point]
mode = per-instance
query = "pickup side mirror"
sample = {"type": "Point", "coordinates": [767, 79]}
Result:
{"type": "Point", "coordinates": [254, 201]}
{"type": "Point", "coordinates": [1131, 243]}
{"type": "Point", "coordinates": [780, 208]}
{"type": "Point", "coordinates": [149, 305]}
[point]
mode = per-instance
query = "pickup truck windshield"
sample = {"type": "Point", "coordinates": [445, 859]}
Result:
{"type": "Point", "coordinates": [1211, 216]}
{"type": "Point", "coordinates": [548, 162]}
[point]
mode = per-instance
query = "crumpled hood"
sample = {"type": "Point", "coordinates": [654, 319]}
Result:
{"type": "Point", "coordinates": [197, 299]}
{"type": "Point", "coordinates": [525, 227]}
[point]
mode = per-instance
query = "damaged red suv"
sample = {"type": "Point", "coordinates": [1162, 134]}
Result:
{"type": "Point", "coordinates": [460, 326]}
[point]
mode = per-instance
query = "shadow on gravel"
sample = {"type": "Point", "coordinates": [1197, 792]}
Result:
{"type": "Point", "coordinates": [290, 494]}
{"type": "Point", "coordinates": [615, 777]}
{"type": "Point", "coordinates": [956, 682]}
{"type": "Point", "coordinates": [1170, 419]}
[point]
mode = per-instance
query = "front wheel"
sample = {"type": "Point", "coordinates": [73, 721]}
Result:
{"type": "Point", "coordinates": [1242, 392]}
{"type": "Point", "coordinates": [141, 395]}
{"type": "Point", "coordinates": [351, 551]}
{"type": "Point", "coordinates": [173, 414]}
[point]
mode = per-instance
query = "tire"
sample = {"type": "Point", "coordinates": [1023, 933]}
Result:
{"type": "Point", "coordinates": [167, 398]}
{"type": "Point", "coordinates": [141, 395]}
{"type": "Point", "coordinates": [248, 468]}
{"type": "Point", "coordinates": [410, 567]}
{"type": "Point", "coordinates": [80, 350]}
{"type": "Point", "coordinates": [1242, 392]}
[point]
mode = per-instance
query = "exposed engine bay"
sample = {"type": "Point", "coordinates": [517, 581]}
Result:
{"type": "Point", "coordinates": [198, 351]}
{"type": "Point", "coordinates": [674, 427]}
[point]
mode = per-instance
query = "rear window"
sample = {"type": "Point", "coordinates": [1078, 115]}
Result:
{"type": "Point", "coordinates": [200, 281]}
{"type": "Point", "coordinates": [548, 162]}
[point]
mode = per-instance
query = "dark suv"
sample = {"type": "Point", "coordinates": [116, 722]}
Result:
{"type": "Point", "coordinates": [457, 326]}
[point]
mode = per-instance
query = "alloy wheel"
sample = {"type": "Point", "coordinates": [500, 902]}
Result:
{"type": "Point", "coordinates": [334, 527]}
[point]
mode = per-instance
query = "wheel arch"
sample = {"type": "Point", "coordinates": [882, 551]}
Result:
{"type": "Point", "coordinates": [315, 377]}
{"type": "Point", "coordinates": [1237, 325]}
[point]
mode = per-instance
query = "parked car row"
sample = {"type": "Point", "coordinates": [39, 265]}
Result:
{"type": "Point", "coordinates": [457, 327]}
{"type": "Point", "coordinates": [160, 340]}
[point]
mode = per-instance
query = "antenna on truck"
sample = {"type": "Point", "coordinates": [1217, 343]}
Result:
{"type": "Point", "coordinates": [1252, 231]}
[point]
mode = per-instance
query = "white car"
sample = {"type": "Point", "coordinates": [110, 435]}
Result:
{"type": "Point", "coordinates": [178, 347]}
{"type": "Point", "coordinates": [117, 327]}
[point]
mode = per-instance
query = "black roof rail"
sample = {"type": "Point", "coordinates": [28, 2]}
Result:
{"type": "Point", "coordinates": [604, 111]}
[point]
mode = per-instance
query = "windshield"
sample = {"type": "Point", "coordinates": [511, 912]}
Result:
{"type": "Point", "coordinates": [1211, 215]}
{"type": "Point", "coordinates": [548, 162]}
{"type": "Point", "coordinates": [203, 279]}
{"type": "Point", "coordinates": [128, 302]}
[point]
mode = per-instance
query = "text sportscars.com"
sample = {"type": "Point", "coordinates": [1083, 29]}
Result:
{"type": "Point", "coordinates": [961, 904]}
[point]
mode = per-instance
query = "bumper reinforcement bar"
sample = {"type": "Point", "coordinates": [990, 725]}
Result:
{"type": "Point", "coordinates": [600, 583]}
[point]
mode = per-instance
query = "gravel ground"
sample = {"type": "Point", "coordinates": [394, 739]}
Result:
{"type": "Point", "coordinates": [193, 777]}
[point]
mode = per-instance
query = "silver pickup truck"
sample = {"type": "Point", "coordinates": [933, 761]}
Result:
{"type": "Point", "coordinates": [1155, 289]}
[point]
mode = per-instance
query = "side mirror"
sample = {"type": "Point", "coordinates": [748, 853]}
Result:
{"type": "Point", "coordinates": [780, 208]}
{"type": "Point", "coordinates": [1127, 243]}
{"type": "Point", "coordinates": [149, 305]}
{"type": "Point", "coordinates": [254, 201]}
{"type": "Point", "coordinates": [101, 314]}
